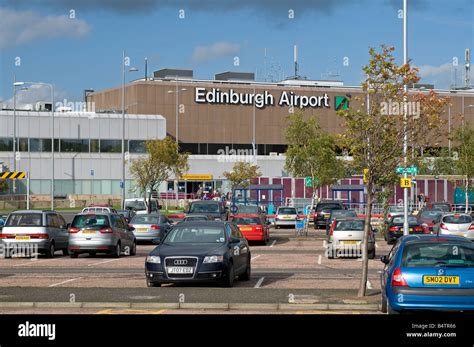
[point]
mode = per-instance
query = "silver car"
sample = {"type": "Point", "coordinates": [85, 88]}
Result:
{"type": "Point", "coordinates": [150, 227]}
{"type": "Point", "coordinates": [286, 216]}
{"type": "Point", "coordinates": [457, 224]}
{"type": "Point", "coordinates": [101, 233]}
{"type": "Point", "coordinates": [26, 232]}
{"type": "Point", "coordinates": [346, 236]}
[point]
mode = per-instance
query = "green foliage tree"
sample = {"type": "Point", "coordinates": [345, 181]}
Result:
{"type": "Point", "coordinates": [162, 162]}
{"type": "Point", "coordinates": [242, 174]}
{"type": "Point", "coordinates": [3, 183]}
{"type": "Point", "coordinates": [464, 138]}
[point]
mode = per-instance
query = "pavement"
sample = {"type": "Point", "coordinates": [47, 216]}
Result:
{"type": "Point", "coordinates": [291, 274]}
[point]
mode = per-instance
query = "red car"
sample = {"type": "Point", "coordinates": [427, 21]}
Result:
{"type": "Point", "coordinates": [252, 227]}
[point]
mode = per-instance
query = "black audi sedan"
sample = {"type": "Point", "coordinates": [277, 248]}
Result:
{"type": "Point", "coordinates": [199, 251]}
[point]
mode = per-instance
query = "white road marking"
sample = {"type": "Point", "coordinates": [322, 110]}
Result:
{"type": "Point", "coordinates": [34, 260]}
{"type": "Point", "coordinates": [325, 244]}
{"type": "Point", "coordinates": [105, 261]}
{"type": "Point", "coordinates": [319, 259]}
{"type": "Point", "coordinates": [58, 284]}
{"type": "Point", "coordinates": [259, 283]}
{"type": "Point", "coordinates": [273, 243]}
{"type": "Point", "coordinates": [369, 285]}
{"type": "Point", "coordinates": [376, 245]}
{"type": "Point", "coordinates": [256, 257]}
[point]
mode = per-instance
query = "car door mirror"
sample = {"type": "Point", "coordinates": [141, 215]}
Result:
{"type": "Point", "coordinates": [234, 240]}
{"type": "Point", "coordinates": [384, 259]}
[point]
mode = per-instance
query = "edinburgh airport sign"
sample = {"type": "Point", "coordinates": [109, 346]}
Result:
{"type": "Point", "coordinates": [260, 100]}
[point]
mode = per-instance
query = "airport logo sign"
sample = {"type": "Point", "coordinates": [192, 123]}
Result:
{"type": "Point", "coordinates": [341, 102]}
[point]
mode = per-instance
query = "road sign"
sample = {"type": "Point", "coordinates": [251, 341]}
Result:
{"type": "Point", "coordinates": [411, 170]}
{"type": "Point", "coordinates": [366, 171]}
{"type": "Point", "coordinates": [405, 182]}
{"type": "Point", "coordinates": [308, 182]}
{"type": "Point", "coordinates": [14, 175]}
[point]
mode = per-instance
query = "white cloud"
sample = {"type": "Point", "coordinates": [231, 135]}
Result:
{"type": "Point", "coordinates": [443, 76]}
{"type": "Point", "coordinates": [205, 54]}
{"type": "Point", "coordinates": [34, 94]}
{"type": "Point", "coordinates": [20, 27]}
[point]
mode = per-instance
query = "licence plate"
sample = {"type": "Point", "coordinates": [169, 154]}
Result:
{"type": "Point", "coordinates": [286, 217]}
{"type": "Point", "coordinates": [245, 229]}
{"type": "Point", "coordinates": [410, 229]}
{"type": "Point", "coordinates": [22, 238]}
{"type": "Point", "coordinates": [141, 230]}
{"type": "Point", "coordinates": [349, 242]}
{"type": "Point", "coordinates": [88, 231]}
{"type": "Point", "coordinates": [180, 270]}
{"type": "Point", "coordinates": [326, 216]}
{"type": "Point", "coordinates": [440, 279]}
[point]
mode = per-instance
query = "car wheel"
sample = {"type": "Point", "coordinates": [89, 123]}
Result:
{"type": "Point", "coordinates": [152, 284]}
{"type": "Point", "coordinates": [371, 254]}
{"type": "Point", "coordinates": [65, 252]}
{"type": "Point", "coordinates": [50, 251]}
{"type": "Point", "coordinates": [118, 250]}
{"type": "Point", "coordinates": [391, 310]}
{"type": "Point", "coordinates": [246, 275]}
{"type": "Point", "coordinates": [384, 304]}
{"type": "Point", "coordinates": [230, 277]}
{"type": "Point", "coordinates": [73, 255]}
{"type": "Point", "coordinates": [133, 251]}
{"type": "Point", "coordinates": [277, 227]}
{"type": "Point", "coordinates": [92, 254]}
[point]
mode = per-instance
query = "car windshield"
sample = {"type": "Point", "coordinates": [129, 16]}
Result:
{"type": "Point", "coordinates": [429, 254]}
{"type": "Point", "coordinates": [400, 220]}
{"type": "Point", "coordinates": [195, 234]}
{"type": "Point", "coordinates": [191, 218]}
{"type": "Point", "coordinates": [248, 209]}
{"type": "Point", "coordinates": [24, 220]}
{"type": "Point", "coordinates": [457, 219]}
{"type": "Point", "coordinates": [395, 209]}
{"type": "Point", "coordinates": [443, 207]}
{"type": "Point", "coordinates": [246, 220]}
{"type": "Point", "coordinates": [431, 215]}
{"type": "Point", "coordinates": [287, 210]}
{"type": "Point", "coordinates": [343, 213]}
{"type": "Point", "coordinates": [93, 220]}
{"type": "Point", "coordinates": [139, 205]}
{"type": "Point", "coordinates": [204, 208]}
{"type": "Point", "coordinates": [146, 219]}
{"type": "Point", "coordinates": [356, 225]}
{"type": "Point", "coordinates": [321, 207]}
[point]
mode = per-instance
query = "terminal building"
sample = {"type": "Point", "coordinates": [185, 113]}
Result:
{"type": "Point", "coordinates": [219, 121]}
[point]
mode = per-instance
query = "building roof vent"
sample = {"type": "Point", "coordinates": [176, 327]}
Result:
{"type": "Point", "coordinates": [173, 73]}
{"type": "Point", "coordinates": [235, 76]}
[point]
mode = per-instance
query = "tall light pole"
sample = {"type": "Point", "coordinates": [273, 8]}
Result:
{"type": "Point", "coordinates": [176, 92]}
{"type": "Point", "coordinates": [15, 90]}
{"type": "Point", "coordinates": [51, 87]}
{"type": "Point", "coordinates": [405, 136]}
{"type": "Point", "coordinates": [123, 125]}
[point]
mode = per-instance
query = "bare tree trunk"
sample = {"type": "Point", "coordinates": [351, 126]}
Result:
{"type": "Point", "coordinates": [365, 242]}
{"type": "Point", "coordinates": [466, 195]}
{"type": "Point", "coordinates": [313, 197]}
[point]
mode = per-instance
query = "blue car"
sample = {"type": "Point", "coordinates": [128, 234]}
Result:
{"type": "Point", "coordinates": [428, 272]}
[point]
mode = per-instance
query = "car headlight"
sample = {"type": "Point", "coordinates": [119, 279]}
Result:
{"type": "Point", "coordinates": [213, 259]}
{"type": "Point", "coordinates": [153, 259]}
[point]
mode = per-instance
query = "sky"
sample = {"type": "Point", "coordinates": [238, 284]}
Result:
{"type": "Point", "coordinates": [78, 44]}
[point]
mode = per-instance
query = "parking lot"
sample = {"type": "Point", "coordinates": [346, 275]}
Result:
{"type": "Point", "coordinates": [289, 270]}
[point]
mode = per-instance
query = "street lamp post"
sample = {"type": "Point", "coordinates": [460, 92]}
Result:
{"type": "Point", "coordinates": [123, 126]}
{"type": "Point", "coordinates": [15, 90]}
{"type": "Point", "coordinates": [51, 87]}
{"type": "Point", "coordinates": [405, 136]}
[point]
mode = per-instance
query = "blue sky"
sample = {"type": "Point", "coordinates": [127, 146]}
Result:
{"type": "Point", "coordinates": [85, 52]}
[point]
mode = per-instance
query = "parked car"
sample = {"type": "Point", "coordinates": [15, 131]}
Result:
{"type": "Point", "coordinates": [457, 224]}
{"type": "Point", "coordinates": [150, 227]}
{"type": "Point", "coordinates": [200, 252]}
{"type": "Point", "coordinates": [394, 228]}
{"type": "Point", "coordinates": [444, 206]}
{"type": "Point", "coordinates": [286, 216]}
{"type": "Point", "coordinates": [428, 272]}
{"type": "Point", "coordinates": [323, 210]}
{"type": "Point", "coordinates": [138, 204]}
{"type": "Point", "coordinates": [251, 209]}
{"type": "Point", "coordinates": [336, 214]}
{"type": "Point", "coordinates": [214, 210]}
{"type": "Point", "coordinates": [252, 227]}
{"type": "Point", "coordinates": [44, 230]}
{"type": "Point", "coordinates": [429, 220]}
{"type": "Point", "coordinates": [127, 214]}
{"type": "Point", "coordinates": [394, 211]}
{"type": "Point", "coordinates": [3, 219]}
{"type": "Point", "coordinates": [346, 236]}
{"type": "Point", "coordinates": [93, 208]}
{"type": "Point", "coordinates": [101, 233]}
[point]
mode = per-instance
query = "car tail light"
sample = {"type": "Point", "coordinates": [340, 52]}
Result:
{"type": "Point", "coordinates": [393, 229]}
{"type": "Point", "coordinates": [39, 236]}
{"type": "Point", "coordinates": [259, 228]}
{"type": "Point", "coordinates": [389, 216]}
{"type": "Point", "coordinates": [155, 227]}
{"type": "Point", "coordinates": [106, 230]}
{"type": "Point", "coordinates": [73, 230]}
{"type": "Point", "coordinates": [7, 236]}
{"type": "Point", "coordinates": [331, 230]}
{"type": "Point", "coordinates": [443, 226]}
{"type": "Point", "coordinates": [419, 229]}
{"type": "Point", "coordinates": [471, 227]}
{"type": "Point", "coordinates": [397, 279]}
{"type": "Point", "coordinates": [315, 214]}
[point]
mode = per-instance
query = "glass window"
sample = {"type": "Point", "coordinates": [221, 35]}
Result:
{"type": "Point", "coordinates": [355, 225]}
{"type": "Point", "coordinates": [439, 253]}
{"type": "Point", "coordinates": [24, 220]}
{"type": "Point", "coordinates": [74, 145]}
{"type": "Point", "coordinates": [146, 219]}
{"type": "Point", "coordinates": [204, 208]}
{"type": "Point", "coordinates": [23, 144]}
{"type": "Point", "coordinates": [236, 232]}
{"type": "Point", "coordinates": [246, 220]}
{"type": "Point", "coordinates": [40, 145]}
{"type": "Point", "coordinates": [94, 146]}
{"type": "Point", "coordinates": [52, 221]}
{"type": "Point", "coordinates": [192, 234]}
{"type": "Point", "coordinates": [457, 219]}
{"type": "Point", "coordinates": [111, 146]}
{"type": "Point", "coordinates": [6, 145]}
{"type": "Point", "coordinates": [93, 220]}
{"type": "Point", "coordinates": [287, 210]}
{"type": "Point", "coordinates": [136, 146]}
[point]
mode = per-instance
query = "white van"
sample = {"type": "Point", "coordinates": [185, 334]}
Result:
{"type": "Point", "coordinates": [138, 204]}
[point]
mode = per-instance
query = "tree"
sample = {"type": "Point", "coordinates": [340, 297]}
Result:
{"type": "Point", "coordinates": [3, 183]}
{"type": "Point", "coordinates": [464, 137]}
{"type": "Point", "coordinates": [242, 174]}
{"type": "Point", "coordinates": [375, 131]}
{"type": "Point", "coordinates": [163, 161]}
{"type": "Point", "coordinates": [311, 153]}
